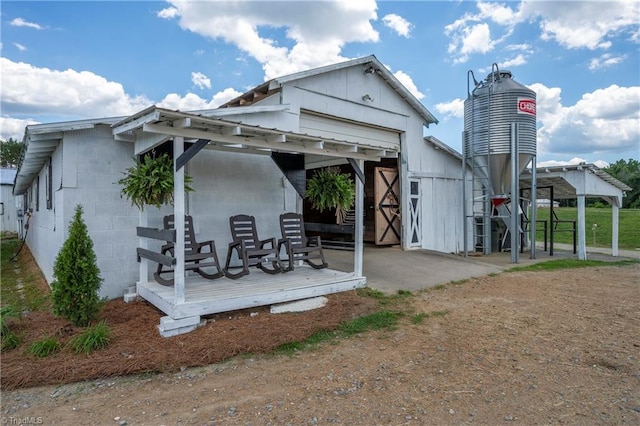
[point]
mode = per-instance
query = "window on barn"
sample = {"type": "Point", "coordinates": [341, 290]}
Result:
{"type": "Point", "coordinates": [38, 193]}
{"type": "Point", "coordinates": [49, 187]}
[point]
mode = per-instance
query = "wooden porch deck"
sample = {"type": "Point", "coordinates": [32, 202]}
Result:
{"type": "Point", "coordinates": [204, 297]}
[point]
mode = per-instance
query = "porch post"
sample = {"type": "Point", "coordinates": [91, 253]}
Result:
{"type": "Point", "coordinates": [359, 231]}
{"type": "Point", "coordinates": [178, 211]}
{"type": "Point", "coordinates": [582, 247]}
{"type": "Point", "coordinates": [143, 221]}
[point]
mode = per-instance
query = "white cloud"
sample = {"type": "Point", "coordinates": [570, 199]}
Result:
{"type": "Point", "coordinates": [19, 22]}
{"type": "Point", "coordinates": [13, 127]}
{"type": "Point", "coordinates": [224, 96]}
{"type": "Point", "coordinates": [407, 82]}
{"type": "Point", "coordinates": [27, 89]}
{"type": "Point", "coordinates": [191, 101]}
{"type": "Point", "coordinates": [453, 108]}
{"type": "Point", "coordinates": [572, 162]}
{"type": "Point", "coordinates": [469, 40]}
{"type": "Point", "coordinates": [604, 120]}
{"type": "Point", "coordinates": [605, 61]}
{"type": "Point", "coordinates": [471, 34]}
{"type": "Point", "coordinates": [20, 47]}
{"type": "Point", "coordinates": [572, 24]}
{"type": "Point", "coordinates": [247, 25]}
{"type": "Point", "coordinates": [398, 24]}
{"type": "Point", "coordinates": [514, 62]}
{"type": "Point", "coordinates": [70, 94]}
{"type": "Point", "coordinates": [200, 80]}
{"type": "Point", "coordinates": [584, 24]}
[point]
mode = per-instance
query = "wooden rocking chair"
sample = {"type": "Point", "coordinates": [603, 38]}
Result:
{"type": "Point", "coordinates": [296, 243]}
{"type": "Point", "coordinates": [194, 256]}
{"type": "Point", "coordinates": [251, 250]}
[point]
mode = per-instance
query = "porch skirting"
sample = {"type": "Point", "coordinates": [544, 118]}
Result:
{"type": "Point", "coordinates": [204, 297]}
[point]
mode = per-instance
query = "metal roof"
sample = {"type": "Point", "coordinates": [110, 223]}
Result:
{"type": "Point", "coordinates": [152, 126]}
{"type": "Point", "coordinates": [595, 182]}
{"type": "Point", "coordinates": [369, 63]}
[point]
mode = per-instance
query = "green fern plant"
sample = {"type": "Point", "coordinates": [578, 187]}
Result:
{"type": "Point", "coordinates": [330, 189]}
{"type": "Point", "coordinates": [150, 181]}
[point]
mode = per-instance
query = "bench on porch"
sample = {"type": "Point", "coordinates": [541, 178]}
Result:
{"type": "Point", "coordinates": [197, 255]}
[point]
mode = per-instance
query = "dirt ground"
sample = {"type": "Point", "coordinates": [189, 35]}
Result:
{"type": "Point", "coordinates": [557, 347]}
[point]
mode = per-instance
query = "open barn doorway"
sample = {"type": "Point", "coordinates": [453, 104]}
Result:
{"type": "Point", "coordinates": [382, 213]}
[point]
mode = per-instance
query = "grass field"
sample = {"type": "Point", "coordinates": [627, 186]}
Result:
{"type": "Point", "coordinates": [598, 226]}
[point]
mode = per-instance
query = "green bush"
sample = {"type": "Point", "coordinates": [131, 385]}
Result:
{"type": "Point", "coordinates": [44, 347]}
{"type": "Point", "coordinates": [76, 276]}
{"type": "Point", "coordinates": [93, 338]}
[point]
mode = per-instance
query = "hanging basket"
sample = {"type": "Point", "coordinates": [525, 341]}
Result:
{"type": "Point", "coordinates": [150, 181]}
{"type": "Point", "coordinates": [330, 189]}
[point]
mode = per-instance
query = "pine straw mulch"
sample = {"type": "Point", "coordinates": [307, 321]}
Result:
{"type": "Point", "coordinates": [137, 347]}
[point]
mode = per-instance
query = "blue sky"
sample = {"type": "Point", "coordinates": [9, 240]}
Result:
{"type": "Point", "coordinates": [71, 60]}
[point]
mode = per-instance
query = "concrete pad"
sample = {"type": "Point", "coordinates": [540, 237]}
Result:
{"type": "Point", "coordinates": [299, 305]}
{"type": "Point", "coordinates": [391, 269]}
{"type": "Point", "coordinates": [169, 327]}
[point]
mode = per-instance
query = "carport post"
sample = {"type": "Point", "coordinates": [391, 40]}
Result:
{"type": "Point", "coordinates": [614, 229]}
{"type": "Point", "coordinates": [582, 247]}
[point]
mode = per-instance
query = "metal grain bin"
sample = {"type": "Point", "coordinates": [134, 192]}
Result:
{"type": "Point", "coordinates": [493, 105]}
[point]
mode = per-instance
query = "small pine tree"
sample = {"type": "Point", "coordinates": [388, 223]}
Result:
{"type": "Point", "coordinates": [76, 276]}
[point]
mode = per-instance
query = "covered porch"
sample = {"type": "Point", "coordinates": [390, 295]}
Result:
{"type": "Point", "coordinates": [205, 297]}
{"type": "Point", "coordinates": [192, 296]}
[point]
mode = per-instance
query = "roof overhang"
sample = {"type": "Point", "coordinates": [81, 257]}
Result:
{"type": "Point", "coordinates": [40, 141]}
{"type": "Point", "coordinates": [370, 65]}
{"type": "Point", "coordinates": [153, 126]}
{"type": "Point", "coordinates": [571, 181]}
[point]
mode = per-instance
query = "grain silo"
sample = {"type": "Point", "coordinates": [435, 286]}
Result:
{"type": "Point", "coordinates": [499, 141]}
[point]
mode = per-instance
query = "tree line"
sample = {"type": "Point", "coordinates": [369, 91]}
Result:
{"type": "Point", "coordinates": [11, 152]}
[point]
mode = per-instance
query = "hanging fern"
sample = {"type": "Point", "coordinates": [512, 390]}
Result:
{"type": "Point", "coordinates": [328, 189]}
{"type": "Point", "coordinates": [150, 181]}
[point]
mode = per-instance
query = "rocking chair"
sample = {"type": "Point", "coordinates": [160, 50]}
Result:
{"type": "Point", "coordinates": [296, 243]}
{"type": "Point", "coordinates": [193, 254]}
{"type": "Point", "coordinates": [250, 249]}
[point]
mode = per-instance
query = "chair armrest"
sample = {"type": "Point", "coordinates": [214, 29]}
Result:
{"type": "Point", "coordinates": [264, 242]}
{"type": "Point", "coordinates": [315, 241]}
{"type": "Point", "coordinates": [209, 244]}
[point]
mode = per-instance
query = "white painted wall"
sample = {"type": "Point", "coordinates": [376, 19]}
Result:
{"type": "Point", "coordinates": [9, 218]}
{"type": "Point", "coordinates": [85, 168]}
{"type": "Point", "coordinates": [441, 184]}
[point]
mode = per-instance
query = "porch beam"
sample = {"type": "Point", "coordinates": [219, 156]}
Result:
{"type": "Point", "coordinates": [357, 169]}
{"type": "Point", "coordinates": [328, 148]}
{"type": "Point", "coordinates": [134, 124]}
{"type": "Point", "coordinates": [147, 141]}
{"type": "Point", "coordinates": [232, 131]}
{"type": "Point", "coordinates": [190, 152]}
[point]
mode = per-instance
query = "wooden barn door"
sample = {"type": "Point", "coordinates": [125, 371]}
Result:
{"type": "Point", "coordinates": [386, 185]}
